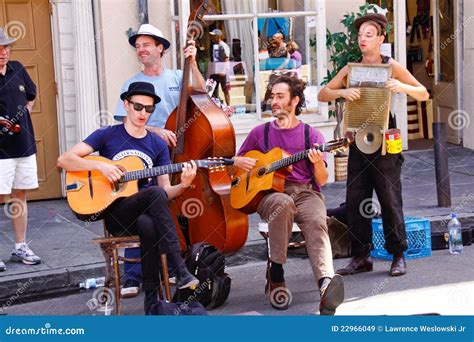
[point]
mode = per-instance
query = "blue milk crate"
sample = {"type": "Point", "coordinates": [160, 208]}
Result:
{"type": "Point", "coordinates": [418, 236]}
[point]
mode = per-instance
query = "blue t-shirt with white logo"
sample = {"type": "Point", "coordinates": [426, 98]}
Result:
{"type": "Point", "coordinates": [114, 142]}
{"type": "Point", "coordinates": [167, 87]}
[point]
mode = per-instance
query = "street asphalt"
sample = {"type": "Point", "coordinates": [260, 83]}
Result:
{"type": "Point", "coordinates": [441, 283]}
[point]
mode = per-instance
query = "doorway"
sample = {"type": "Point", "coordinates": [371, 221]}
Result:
{"type": "Point", "coordinates": [29, 22]}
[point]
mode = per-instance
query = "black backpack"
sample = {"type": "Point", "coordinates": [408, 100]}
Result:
{"type": "Point", "coordinates": [207, 264]}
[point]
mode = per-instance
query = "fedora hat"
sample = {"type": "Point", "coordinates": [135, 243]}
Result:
{"type": "Point", "coordinates": [4, 39]}
{"type": "Point", "coordinates": [141, 88]}
{"type": "Point", "coordinates": [149, 30]}
{"type": "Point", "coordinates": [379, 19]}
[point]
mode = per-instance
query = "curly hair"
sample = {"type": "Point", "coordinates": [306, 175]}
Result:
{"type": "Point", "coordinates": [297, 88]}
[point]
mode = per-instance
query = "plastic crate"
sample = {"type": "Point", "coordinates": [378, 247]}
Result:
{"type": "Point", "coordinates": [418, 236]}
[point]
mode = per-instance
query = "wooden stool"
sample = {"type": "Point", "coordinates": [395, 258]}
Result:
{"type": "Point", "coordinates": [110, 246]}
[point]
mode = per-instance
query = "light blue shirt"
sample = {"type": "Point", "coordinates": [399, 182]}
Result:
{"type": "Point", "coordinates": [167, 87]}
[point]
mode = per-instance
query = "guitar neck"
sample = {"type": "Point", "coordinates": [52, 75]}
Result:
{"type": "Point", "coordinates": [154, 171]}
{"type": "Point", "coordinates": [285, 162]}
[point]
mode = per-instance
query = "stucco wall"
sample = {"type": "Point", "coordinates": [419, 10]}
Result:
{"type": "Point", "coordinates": [335, 11]}
{"type": "Point", "coordinates": [120, 61]}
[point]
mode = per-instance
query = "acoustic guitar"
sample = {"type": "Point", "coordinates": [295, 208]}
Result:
{"type": "Point", "coordinates": [268, 175]}
{"type": "Point", "coordinates": [89, 193]}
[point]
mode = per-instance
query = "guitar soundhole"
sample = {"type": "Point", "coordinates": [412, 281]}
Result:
{"type": "Point", "coordinates": [235, 182]}
{"type": "Point", "coordinates": [261, 172]}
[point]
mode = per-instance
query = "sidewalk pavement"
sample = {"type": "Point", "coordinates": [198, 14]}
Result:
{"type": "Point", "coordinates": [69, 256]}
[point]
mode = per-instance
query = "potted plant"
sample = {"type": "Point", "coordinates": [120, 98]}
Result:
{"type": "Point", "coordinates": [343, 48]}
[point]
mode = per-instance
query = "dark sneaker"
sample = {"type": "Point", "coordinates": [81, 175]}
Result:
{"type": "Point", "coordinates": [25, 255]}
{"type": "Point", "coordinates": [130, 289]}
{"type": "Point", "coordinates": [185, 280]}
{"type": "Point", "coordinates": [332, 296]}
{"type": "Point", "coordinates": [2, 266]}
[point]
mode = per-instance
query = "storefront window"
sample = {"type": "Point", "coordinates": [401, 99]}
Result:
{"type": "Point", "coordinates": [264, 39]}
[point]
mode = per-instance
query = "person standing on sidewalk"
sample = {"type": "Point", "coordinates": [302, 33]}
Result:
{"type": "Point", "coordinates": [369, 172]}
{"type": "Point", "coordinates": [145, 213]}
{"type": "Point", "coordinates": [301, 201]}
{"type": "Point", "coordinates": [220, 59]}
{"type": "Point", "coordinates": [17, 150]}
{"type": "Point", "coordinates": [150, 46]}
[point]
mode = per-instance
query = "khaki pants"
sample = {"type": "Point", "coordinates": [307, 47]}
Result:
{"type": "Point", "coordinates": [299, 204]}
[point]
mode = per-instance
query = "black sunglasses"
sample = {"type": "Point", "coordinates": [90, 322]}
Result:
{"type": "Point", "coordinates": [138, 107]}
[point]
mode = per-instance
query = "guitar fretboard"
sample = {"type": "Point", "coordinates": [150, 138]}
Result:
{"type": "Point", "coordinates": [292, 159]}
{"type": "Point", "coordinates": [151, 172]}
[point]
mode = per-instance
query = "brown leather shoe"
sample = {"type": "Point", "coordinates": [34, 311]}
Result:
{"type": "Point", "coordinates": [332, 296]}
{"type": "Point", "coordinates": [280, 296]}
{"type": "Point", "coordinates": [399, 266]}
{"type": "Point", "coordinates": [357, 265]}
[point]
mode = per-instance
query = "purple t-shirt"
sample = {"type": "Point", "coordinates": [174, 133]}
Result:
{"type": "Point", "coordinates": [296, 55]}
{"type": "Point", "coordinates": [291, 140]}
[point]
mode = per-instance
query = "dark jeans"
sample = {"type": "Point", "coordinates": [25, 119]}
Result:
{"type": "Point", "coordinates": [147, 215]}
{"type": "Point", "coordinates": [132, 270]}
{"type": "Point", "coordinates": [368, 172]}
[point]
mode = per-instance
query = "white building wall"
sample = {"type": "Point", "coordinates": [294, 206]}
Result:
{"type": "Point", "coordinates": [335, 10]}
{"type": "Point", "coordinates": [66, 86]}
{"type": "Point", "coordinates": [120, 61]}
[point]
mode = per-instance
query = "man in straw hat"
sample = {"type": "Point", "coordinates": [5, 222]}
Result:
{"type": "Point", "coordinates": [17, 148]}
{"type": "Point", "coordinates": [368, 172]}
{"type": "Point", "coordinates": [150, 46]}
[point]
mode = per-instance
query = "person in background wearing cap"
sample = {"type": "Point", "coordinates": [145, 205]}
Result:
{"type": "Point", "coordinates": [17, 150]}
{"type": "Point", "coordinates": [145, 213]}
{"type": "Point", "coordinates": [220, 55]}
{"type": "Point", "coordinates": [150, 46]}
{"type": "Point", "coordinates": [367, 172]}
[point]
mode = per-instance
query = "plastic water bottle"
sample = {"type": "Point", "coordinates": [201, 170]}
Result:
{"type": "Point", "coordinates": [455, 235]}
{"type": "Point", "coordinates": [92, 283]}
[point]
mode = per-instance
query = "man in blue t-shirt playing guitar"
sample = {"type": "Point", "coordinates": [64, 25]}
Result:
{"type": "Point", "coordinates": [145, 213]}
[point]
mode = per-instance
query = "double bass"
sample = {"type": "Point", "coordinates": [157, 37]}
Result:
{"type": "Point", "coordinates": [203, 130]}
